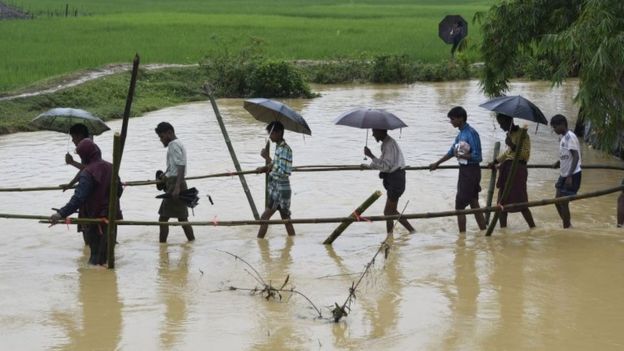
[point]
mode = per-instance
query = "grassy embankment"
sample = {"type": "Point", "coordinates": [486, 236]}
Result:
{"type": "Point", "coordinates": [186, 31]}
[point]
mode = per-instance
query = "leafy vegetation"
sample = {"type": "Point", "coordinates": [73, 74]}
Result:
{"type": "Point", "coordinates": [563, 38]}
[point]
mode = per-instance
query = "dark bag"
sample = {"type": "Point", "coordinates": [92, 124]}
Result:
{"type": "Point", "coordinates": [383, 175]}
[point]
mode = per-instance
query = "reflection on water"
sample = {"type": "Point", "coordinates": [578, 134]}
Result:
{"type": "Point", "coordinates": [173, 279]}
{"type": "Point", "coordinates": [520, 289]}
{"type": "Point", "coordinates": [97, 325]}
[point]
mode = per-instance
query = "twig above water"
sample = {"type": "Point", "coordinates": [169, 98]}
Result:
{"type": "Point", "coordinates": [267, 290]}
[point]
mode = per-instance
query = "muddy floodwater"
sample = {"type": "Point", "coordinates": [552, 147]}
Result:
{"type": "Point", "coordinates": [521, 289]}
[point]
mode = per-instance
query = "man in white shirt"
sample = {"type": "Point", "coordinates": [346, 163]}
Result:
{"type": "Point", "coordinates": [174, 182]}
{"type": "Point", "coordinates": [391, 166]}
{"type": "Point", "coordinates": [569, 162]}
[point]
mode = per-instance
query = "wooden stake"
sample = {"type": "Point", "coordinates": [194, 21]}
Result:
{"type": "Point", "coordinates": [232, 152]}
{"type": "Point", "coordinates": [490, 193]}
{"type": "Point", "coordinates": [508, 182]}
{"type": "Point", "coordinates": [266, 177]}
{"type": "Point", "coordinates": [352, 217]}
{"type": "Point", "coordinates": [129, 98]}
{"type": "Point", "coordinates": [111, 231]}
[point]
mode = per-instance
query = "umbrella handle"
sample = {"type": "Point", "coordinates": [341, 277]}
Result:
{"type": "Point", "coordinates": [366, 143]}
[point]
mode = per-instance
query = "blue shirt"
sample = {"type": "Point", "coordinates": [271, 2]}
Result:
{"type": "Point", "coordinates": [469, 135]}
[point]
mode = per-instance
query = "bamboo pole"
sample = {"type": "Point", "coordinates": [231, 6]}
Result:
{"type": "Point", "coordinates": [492, 185]}
{"type": "Point", "coordinates": [231, 150]}
{"type": "Point", "coordinates": [508, 182]}
{"type": "Point", "coordinates": [266, 176]}
{"type": "Point", "coordinates": [111, 231]}
{"type": "Point", "coordinates": [352, 217]}
{"type": "Point", "coordinates": [299, 169]}
{"type": "Point", "coordinates": [423, 215]}
{"type": "Point", "coordinates": [129, 98]}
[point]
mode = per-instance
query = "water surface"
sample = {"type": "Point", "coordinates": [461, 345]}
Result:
{"type": "Point", "coordinates": [521, 289]}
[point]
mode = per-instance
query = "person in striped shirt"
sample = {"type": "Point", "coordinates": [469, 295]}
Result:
{"type": "Point", "coordinates": [279, 169]}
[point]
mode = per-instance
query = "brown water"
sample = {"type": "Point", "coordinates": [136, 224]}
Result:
{"type": "Point", "coordinates": [521, 289]}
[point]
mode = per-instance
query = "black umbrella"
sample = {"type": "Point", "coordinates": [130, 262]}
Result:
{"type": "Point", "coordinates": [265, 110]}
{"type": "Point", "coordinates": [452, 29]}
{"type": "Point", "coordinates": [370, 118]}
{"type": "Point", "coordinates": [516, 106]}
{"type": "Point", "coordinates": [189, 196]}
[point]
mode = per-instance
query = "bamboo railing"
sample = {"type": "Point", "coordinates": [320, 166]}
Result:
{"type": "Point", "coordinates": [314, 168]}
{"type": "Point", "coordinates": [421, 215]}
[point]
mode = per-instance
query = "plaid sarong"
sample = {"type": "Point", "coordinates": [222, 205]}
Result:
{"type": "Point", "coordinates": [279, 195]}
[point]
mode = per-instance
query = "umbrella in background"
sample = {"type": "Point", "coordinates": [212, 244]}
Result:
{"type": "Point", "coordinates": [265, 110]}
{"type": "Point", "coordinates": [61, 119]}
{"type": "Point", "coordinates": [516, 106]}
{"type": "Point", "coordinates": [452, 29]}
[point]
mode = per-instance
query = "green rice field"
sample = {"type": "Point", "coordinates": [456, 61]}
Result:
{"type": "Point", "coordinates": [185, 31]}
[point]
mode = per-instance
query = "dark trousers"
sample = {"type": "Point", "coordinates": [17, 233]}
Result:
{"type": "Point", "coordinates": [96, 234]}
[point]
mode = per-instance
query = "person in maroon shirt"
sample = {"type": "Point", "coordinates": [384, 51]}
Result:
{"type": "Point", "coordinates": [91, 196]}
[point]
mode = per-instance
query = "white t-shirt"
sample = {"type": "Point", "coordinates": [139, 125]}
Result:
{"type": "Point", "coordinates": [176, 156]}
{"type": "Point", "coordinates": [568, 142]}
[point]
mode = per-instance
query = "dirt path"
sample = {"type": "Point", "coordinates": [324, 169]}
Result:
{"type": "Point", "coordinates": [85, 76]}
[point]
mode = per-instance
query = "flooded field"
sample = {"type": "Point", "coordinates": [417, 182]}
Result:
{"type": "Point", "coordinates": [520, 289]}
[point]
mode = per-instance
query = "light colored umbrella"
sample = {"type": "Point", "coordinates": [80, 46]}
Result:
{"type": "Point", "coordinates": [61, 119]}
{"type": "Point", "coordinates": [516, 106]}
{"type": "Point", "coordinates": [370, 118]}
{"type": "Point", "coordinates": [266, 110]}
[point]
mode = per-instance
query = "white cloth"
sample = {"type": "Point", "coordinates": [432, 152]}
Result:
{"type": "Point", "coordinates": [462, 148]}
{"type": "Point", "coordinates": [176, 156]}
{"type": "Point", "coordinates": [568, 142]}
{"type": "Point", "coordinates": [391, 157]}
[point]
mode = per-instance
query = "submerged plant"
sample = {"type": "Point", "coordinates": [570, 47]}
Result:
{"type": "Point", "coordinates": [267, 290]}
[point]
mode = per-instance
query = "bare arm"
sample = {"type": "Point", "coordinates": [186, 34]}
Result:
{"type": "Point", "coordinates": [434, 166]}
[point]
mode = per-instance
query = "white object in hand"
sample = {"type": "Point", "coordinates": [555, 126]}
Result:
{"type": "Point", "coordinates": [462, 148]}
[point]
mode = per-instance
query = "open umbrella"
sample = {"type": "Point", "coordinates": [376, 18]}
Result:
{"type": "Point", "coordinates": [61, 119]}
{"type": "Point", "coordinates": [452, 29]}
{"type": "Point", "coordinates": [370, 118]}
{"type": "Point", "coordinates": [266, 110]}
{"type": "Point", "coordinates": [516, 106]}
{"type": "Point", "coordinates": [366, 118]}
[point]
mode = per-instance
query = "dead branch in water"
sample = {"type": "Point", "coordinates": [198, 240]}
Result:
{"type": "Point", "coordinates": [267, 290]}
{"type": "Point", "coordinates": [341, 311]}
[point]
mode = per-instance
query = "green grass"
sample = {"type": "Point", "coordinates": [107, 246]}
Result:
{"type": "Point", "coordinates": [185, 31]}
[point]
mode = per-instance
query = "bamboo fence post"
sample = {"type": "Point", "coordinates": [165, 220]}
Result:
{"type": "Point", "coordinates": [208, 92]}
{"type": "Point", "coordinates": [490, 193]}
{"type": "Point", "coordinates": [352, 217]}
{"type": "Point", "coordinates": [266, 177]}
{"type": "Point", "coordinates": [129, 98]}
{"type": "Point", "coordinates": [508, 182]}
{"type": "Point", "coordinates": [111, 232]}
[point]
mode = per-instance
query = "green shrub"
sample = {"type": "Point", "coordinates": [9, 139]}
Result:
{"type": "Point", "coordinates": [278, 79]}
{"type": "Point", "coordinates": [391, 69]}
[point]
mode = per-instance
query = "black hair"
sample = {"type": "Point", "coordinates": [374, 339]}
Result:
{"type": "Point", "coordinates": [276, 126]}
{"type": "Point", "coordinates": [458, 111]}
{"type": "Point", "coordinates": [558, 120]}
{"type": "Point", "coordinates": [163, 127]}
{"type": "Point", "coordinates": [79, 129]}
{"type": "Point", "coordinates": [504, 117]}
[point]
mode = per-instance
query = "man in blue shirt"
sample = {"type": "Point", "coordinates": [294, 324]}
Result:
{"type": "Point", "coordinates": [467, 149]}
